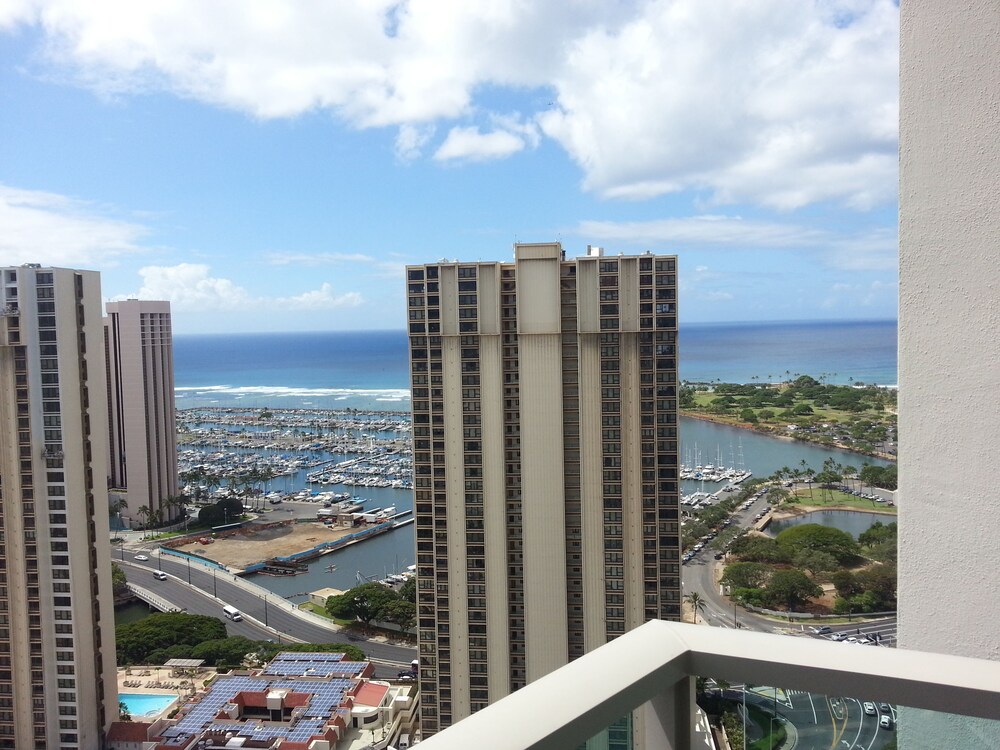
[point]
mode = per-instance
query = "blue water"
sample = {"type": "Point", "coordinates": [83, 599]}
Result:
{"type": "Point", "coordinates": [145, 705]}
{"type": "Point", "coordinates": [336, 370]}
{"type": "Point", "coordinates": [839, 352]}
{"type": "Point", "coordinates": [854, 522]}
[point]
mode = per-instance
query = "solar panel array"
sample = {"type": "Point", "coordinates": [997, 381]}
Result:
{"type": "Point", "coordinates": [327, 695]}
{"type": "Point", "coordinates": [312, 664]}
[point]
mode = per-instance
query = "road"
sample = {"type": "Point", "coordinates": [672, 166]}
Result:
{"type": "Point", "coordinates": [820, 722]}
{"type": "Point", "coordinates": [202, 590]}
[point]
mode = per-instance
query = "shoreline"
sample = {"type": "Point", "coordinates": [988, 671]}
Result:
{"type": "Point", "coordinates": [778, 436]}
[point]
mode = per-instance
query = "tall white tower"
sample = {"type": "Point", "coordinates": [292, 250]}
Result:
{"type": "Point", "coordinates": [57, 640]}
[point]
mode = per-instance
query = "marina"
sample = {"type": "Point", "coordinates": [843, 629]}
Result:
{"type": "Point", "coordinates": [328, 463]}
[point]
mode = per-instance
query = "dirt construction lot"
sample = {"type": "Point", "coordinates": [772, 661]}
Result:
{"type": "Point", "coordinates": [243, 549]}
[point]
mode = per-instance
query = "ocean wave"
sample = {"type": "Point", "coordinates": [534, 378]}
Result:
{"type": "Point", "coordinates": [281, 391]}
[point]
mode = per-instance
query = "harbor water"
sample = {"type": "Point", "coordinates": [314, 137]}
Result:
{"type": "Point", "coordinates": [393, 551]}
{"type": "Point", "coordinates": [854, 522]}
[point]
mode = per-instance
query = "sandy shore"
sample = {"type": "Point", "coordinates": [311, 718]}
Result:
{"type": "Point", "coordinates": [241, 550]}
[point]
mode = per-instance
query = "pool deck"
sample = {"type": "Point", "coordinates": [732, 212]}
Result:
{"type": "Point", "coordinates": [161, 681]}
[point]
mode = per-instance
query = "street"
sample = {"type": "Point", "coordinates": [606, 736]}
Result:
{"type": "Point", "coordinates": [198, 589]}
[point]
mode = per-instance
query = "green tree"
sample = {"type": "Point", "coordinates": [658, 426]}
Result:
{"type": "Point", "coordinates": [119, 585]}
{"type": "Point", "coordinates": [138, 641]}
{"type": "Point", "coordinates": [817, 538]}
{"type": "Point", "coordinates": [408, 591]}
{"type": "Point", "coordinates": [878, 533]}
{"type": "Point", "coordinates": [400, 612]}
{"type": "Point", "coordinates": [224, 652]}
{"type": "Point", "coordinates": [697, 603]}
{"type": "Point", "coordinates": [115, 508]}
{"type": "Point", "coordinates": [144, 512]}
{"type": "Point", "coordinates": [746, 575]}
{"type": "Point", "coordinates": [815, 561]}
{"type": "Point", "coordinates": [748, 415]}
{"type": "Point", "coordinates": [791, 589]}
{"type": "Point", "coordinates": [365, 602]}
{"type": "Point", "coordinates": [123, 712]}
{"type": "Point", "coordinates": [845, 583]}
{"type": "Point", "coordinates": [755, 548]}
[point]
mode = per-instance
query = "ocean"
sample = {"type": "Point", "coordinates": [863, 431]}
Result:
{"type": "Point", "coordinates": [368, 370]}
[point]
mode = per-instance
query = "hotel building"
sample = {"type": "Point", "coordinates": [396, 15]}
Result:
{"type": "Point", "coordinates": [57, 647]}
{"type": "Point", "coordinates": [545, 465]}
{"type": "Point", "coordinates": [141, 417]}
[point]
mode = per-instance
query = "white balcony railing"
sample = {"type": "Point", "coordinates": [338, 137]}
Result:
{"type": "Point", "coordinates": [657, 664]}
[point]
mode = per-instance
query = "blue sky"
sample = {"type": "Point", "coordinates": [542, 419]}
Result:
{"type": "Point", "coordinates": [274, 165]}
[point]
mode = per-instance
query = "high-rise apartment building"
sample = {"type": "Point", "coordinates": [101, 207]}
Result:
{"type": "Point", "coordinates": [141, 417]}
{"type": "Point", "coordinates": [57, 639]}
{"type": "Point", "coordinates": [545, 464]}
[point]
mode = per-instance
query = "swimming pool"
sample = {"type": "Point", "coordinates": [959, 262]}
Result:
{"type": "Point", "coordinates": [146, 705]}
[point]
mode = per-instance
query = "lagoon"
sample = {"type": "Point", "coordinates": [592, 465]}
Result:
{"type": "Point", "coordinates": [854, 522]}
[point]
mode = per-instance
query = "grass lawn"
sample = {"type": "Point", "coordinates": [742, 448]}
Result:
{"type": "Point", "coordinates": [772, 740]}
{"type": "Point", "coordinates": [321, 611]}
{"type": "Point", "coordinates": [835, 498]}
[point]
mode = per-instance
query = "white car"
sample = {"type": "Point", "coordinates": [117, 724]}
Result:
{"type": "Point", "coordinates": [142, 558]}
{"type": "Point", "coordinates": [869, 708]}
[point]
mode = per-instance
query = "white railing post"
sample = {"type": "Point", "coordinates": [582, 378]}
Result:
{"type": "Point", "coordinates": [669, 717]}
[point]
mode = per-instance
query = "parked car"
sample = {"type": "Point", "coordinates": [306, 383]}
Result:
{"type": "Point", "coordinates": [885, 722]}
{"type": "Point", "coordinates": [869, 708]}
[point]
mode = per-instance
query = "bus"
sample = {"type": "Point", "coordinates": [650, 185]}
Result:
{"type": "Point", "coordinates": [231, 613]}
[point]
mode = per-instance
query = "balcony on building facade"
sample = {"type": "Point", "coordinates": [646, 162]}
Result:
{"type": "Point", "coordinates": [658, 663]}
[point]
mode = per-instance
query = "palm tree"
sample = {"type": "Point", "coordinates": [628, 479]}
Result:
{"type": "Point", "coordinates": [808, 473]}
{"type": "Point", "coordinates": [178, 501]}
{"type": "Point", "coordinates": [697, 602]}
{"type": "Point", "coordinates": [144, 513]}
{"type": "Point", "coordinates": [115, 508]}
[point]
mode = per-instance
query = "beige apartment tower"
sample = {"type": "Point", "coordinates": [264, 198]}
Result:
{"type": "Point", "coordinates": [143, 428]}
{"type": "Point", "coordinates": [545, 461]}
{"type": "Point", "coordinates": [57, 637]}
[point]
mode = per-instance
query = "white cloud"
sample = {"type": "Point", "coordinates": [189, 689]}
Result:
{"type": "Point", "coordinates": [877, 250]}
{"type": "Point", "coordinates": [410, 141]}
{"type": "Point", "coordinates": [191, 288]}
{"type": "Point", "coordinates": [871, 250]}
{"type": "Point", "coordinates": [52, 229]}
{"type": "Point", "coordinates": [321, 299]}
{"type": "Point", "coordinates": [781, 103]}
{"type": "Point", "coordinates": [776, 102]}
{"type": "Point", "coordinates": [468, 144]}
{"type": "Point", "coordinates": [877, 293]}
{"type": "Point", "coordinates": [702, 230]}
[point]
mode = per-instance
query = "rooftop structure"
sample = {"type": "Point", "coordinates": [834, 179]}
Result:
{"type": "Point", "coordinates": [297, 701]}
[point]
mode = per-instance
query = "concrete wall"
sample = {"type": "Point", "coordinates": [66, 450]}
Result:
{"type": "Point", "coordinates": [949, 357]}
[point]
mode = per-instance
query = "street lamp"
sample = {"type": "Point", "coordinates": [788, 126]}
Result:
{"type": "Point", "coordinates": [189, 570]}
{"type": "Point", "coordinates": [215, 591]}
